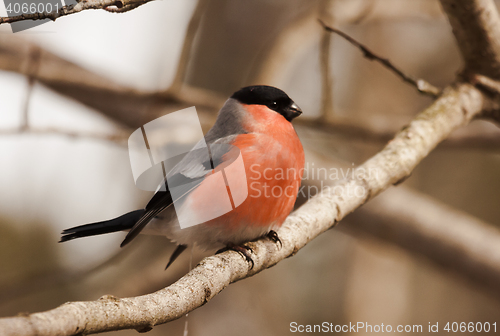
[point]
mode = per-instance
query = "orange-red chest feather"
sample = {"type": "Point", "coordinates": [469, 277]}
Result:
{"type": "Point", "coordinates": [274, 161]}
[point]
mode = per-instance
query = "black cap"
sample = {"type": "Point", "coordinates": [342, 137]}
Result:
{"type": "Point", "coordinates": [269, 96]}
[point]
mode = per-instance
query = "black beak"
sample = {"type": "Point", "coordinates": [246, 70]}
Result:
{"type": "Point", "coordinates": [293, 111]}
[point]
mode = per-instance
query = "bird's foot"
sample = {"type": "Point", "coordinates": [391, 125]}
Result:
{"type": "Point", "coordinates": [244, 250]}
{"type": "Point", "coordinates": [273, 236]}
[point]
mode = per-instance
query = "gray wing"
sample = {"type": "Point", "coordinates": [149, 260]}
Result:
{"type": "Point", "coordinates": [201, 160]}
{"type": "Point", "coordinates": [185, 176]}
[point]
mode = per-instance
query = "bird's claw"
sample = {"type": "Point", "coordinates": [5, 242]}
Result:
{"type": "Point", "coordinates": [244, 250]}
{"type": "Point", "coordinates": [273, 236]}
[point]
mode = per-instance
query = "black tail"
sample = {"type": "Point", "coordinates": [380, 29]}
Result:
{"type": "Point", "coordinates": [177, 252]}
{"type": "Point", "coordinates": [124, 222]}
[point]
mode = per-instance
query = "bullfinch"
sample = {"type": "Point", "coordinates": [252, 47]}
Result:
{"type": "Point", "coordinates": [254, 125]}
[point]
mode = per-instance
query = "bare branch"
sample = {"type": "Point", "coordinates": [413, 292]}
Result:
{"type": "Point", "coordinates": [425, 227]}
{"type": "Point", "coordinates": [421, 85]}
{"type": "Point", "coordinates": [492, 87]}
{"type": "Point", "coordinates": [120, 6]}
{"type": "Point", "coordinates": [324, 61]}
{"type": "Point", "coordinates": [456, 107]}
{"type": "Point", "coordinates": [31, 71]}
{"type": "Point", "coordinates": [449, 238]}
{"type": "Point", "coordinates": [354, 12]}
{"type": "Point", "coordinates": [476, 25]}
{"type": "Point", "coordinates": [486, 83]}
{"type": "Point", "coordinates": [326, 77]}
{"type": "Point", "coordinates": [119, 138]}
{"type": "Point", "coordinates": [187, 45]}
{"type": "Point", "coordinates": [127, 106]}
{"type": "Point", "coordinates": [25, 110]}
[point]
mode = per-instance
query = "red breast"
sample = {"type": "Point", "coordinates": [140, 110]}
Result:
{"type": "Point", "coordinates": [274, 161]}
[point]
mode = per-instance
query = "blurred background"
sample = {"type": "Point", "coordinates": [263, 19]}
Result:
{"type": "Point", "coordinates": [71, 91]}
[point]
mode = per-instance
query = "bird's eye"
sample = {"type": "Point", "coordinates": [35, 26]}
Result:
{"type": "Point", "coordinates": [274, 103]}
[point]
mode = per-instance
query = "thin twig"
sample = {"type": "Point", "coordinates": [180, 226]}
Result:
{"type": "Point", "coordinates": [122, 9]}
{"type": "Point", "coordinates": [324, 62]}
{"type": "Point", "coordinates": [187, 45]}
{"type": "Point", "coordinates": [422, 85]}
{"type": "Point", "coordinates": [326, 77]}
{"type": "Point", "coordinates": [490, 84]}
{"type": "Point", "coordinates": [24, 126]}
{"type": "Point", "coordinates": [31, 73]}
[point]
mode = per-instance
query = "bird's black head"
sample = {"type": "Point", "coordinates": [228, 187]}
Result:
{"type": "Point", "coordinates": [269, 96]}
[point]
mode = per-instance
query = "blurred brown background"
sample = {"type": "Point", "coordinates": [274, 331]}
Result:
{"type": "Point", "coordinates": [97, 76]}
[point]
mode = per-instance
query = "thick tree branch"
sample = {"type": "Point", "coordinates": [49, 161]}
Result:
{"type": "Point", "coordinates": [456, 107]}
{"type": "Point", "coordinates": [424, 226]}
{"type": "Point", "coordinates": [492, 87]}
{"type": "Point", "coordinates": [476, 25]}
